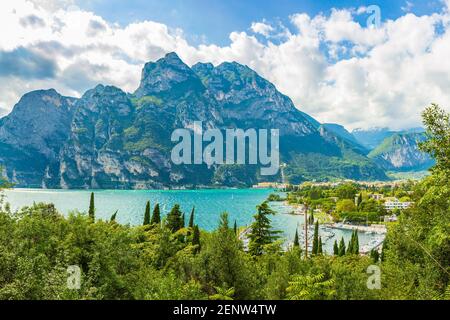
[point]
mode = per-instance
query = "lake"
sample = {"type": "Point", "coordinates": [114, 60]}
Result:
{"type": "Point", "coordinates": [209, 204]}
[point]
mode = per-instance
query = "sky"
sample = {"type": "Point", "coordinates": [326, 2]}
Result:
{"type": "Point", "coordinates": [361, 64]}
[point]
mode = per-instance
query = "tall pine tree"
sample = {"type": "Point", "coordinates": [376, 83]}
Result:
{"type": "Point", "coordinates": [156, 216]}
{"type": "Point", "coordinates": [147, 214]}
{"type": "Point", "coordinates": [235, 227]}
{"type": "Point", "coordinates": [175, 219]}
{"type": "Point", "coordinates": [261, 232]}
{"type": "Point", "coordinates": [92, 207]}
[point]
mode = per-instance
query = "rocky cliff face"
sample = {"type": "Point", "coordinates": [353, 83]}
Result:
{"type": "Point", "coordinates": [32, 135]}
{"type": "Point", "coordinates": [400, 152]}
{"type": "Point", "coordinates": [112, 139]}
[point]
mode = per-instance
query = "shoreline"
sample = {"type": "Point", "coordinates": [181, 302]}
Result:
{"type": "Point", "coordinates": [372, 229]}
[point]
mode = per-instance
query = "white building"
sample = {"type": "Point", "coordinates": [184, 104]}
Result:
{"type": "Point", "coordinates": [376, 196]}
{"type": "Point", "coordinates": [396, 204]}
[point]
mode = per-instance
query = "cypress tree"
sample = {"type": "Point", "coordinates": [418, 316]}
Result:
{"type": "Point", "coordinates": [342, 247]}
{"type": "Point", "coordinates": [319, 249]}
{"type": "Point", "coordinates": [296, 241]}
{"type": "Point", "coordinates": [113, 217]}
{"type": "Point", "coordinates": [235, 227]}
{"type": "Point", "coordinates": [335, 248]}
{"type": "Point", "coordinates": [311, 218]}
{"type": "Point", "coordinates": [175, 219]}
{"type": "Point", "coordinates": [191, 218]}
{"type": "Point", "coordinates": [196, 239]}
{"type": "Point", "coordinates": [92, 208]}
{"type": "Point", "coordinates": [147, 214]}
{"type": "Point", "coordinates": [350, 244]}
{"type": "Point", "coordinates": [184, 221]}
{"type": "Point", "coordinates": [156, 217]}
{"type": "Point", "coordinates": [315, 247]}
{"type": "Point", "coordinates": [356, 243]}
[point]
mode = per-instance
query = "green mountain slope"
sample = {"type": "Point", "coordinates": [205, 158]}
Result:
{"type": "Point", "coordinates": [400, 152]}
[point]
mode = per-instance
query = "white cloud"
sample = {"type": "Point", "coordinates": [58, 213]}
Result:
{"type": "Point", "coordinates": [262, 28]}
{"type": "Point", "coordinates": [332, 67]}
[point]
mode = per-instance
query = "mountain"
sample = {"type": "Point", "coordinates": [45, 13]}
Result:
{"type": "Point", "coordinates": [112, 139]}
{"type": "Point", "coordinates": [341, 132]}
{"type": "Point", "coordinates": [371, 138]}
{"type": "Point", "coordinates": [400, 152]}
{"type": "Point", "coordinates": [31, 136]}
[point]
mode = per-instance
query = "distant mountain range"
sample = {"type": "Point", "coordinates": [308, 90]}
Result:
{"type": "Point", "coordinates": [112, 139]}
{"type": "Point", "coordinates": [391, 150]}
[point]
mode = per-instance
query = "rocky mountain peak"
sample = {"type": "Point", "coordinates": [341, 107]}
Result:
{"type": "Point", "coordinates": [164, 74]}
{"type": "Point", "coordinates": [39, 121]}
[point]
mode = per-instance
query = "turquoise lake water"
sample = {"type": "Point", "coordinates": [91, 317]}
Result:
{"type": "Point", "coordinates": [209, 204]}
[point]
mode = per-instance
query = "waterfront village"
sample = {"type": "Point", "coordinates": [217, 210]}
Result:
{"type": "Point", "coordinates": [365, 207]}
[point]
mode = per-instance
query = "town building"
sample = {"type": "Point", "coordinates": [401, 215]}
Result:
{"type": "Point", "coordinates": [396, 204]}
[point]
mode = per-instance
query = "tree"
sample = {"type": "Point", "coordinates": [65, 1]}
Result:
{"type": "Point", "coordinates": [196, 239]}
{"type": "Point", "coordinates": [347, 191]}
{"type": "Point", "coordinates": [296, 241]}
{"type": "Point", "coordinates": [375, 255]}
{"type": "Point", "coordinates": [261, 233]}
{"type": "Point", "coordinates": [342, 247]}
{"type": "Point", "coordinates": [345, 205]}
{"type": "Point", "coordinates": [311, 218]}
{"type": "Point", "coordinates": [335, 248]}
{"type": "Point", "coordinates": [156, 216]}
{"type": "Point", "coordinates": [315, 247]}
{"type": "Point", "coordinates": [113, 217]}
{"type": "Point", "coordinates": [191, 218]}
{"type": "Point", "coordinates": [320, 249]}
{"type": "Point", "coordinates": [353, 244]}
{"type": "Point", "coordinates": [147, 214]}
{"type": "Point", "coordinates": [235, 228]}
{"type": "Point", "coordinates": [92, 207]}
{"type": "Point", "coordinates": [437, 144]}
{"type": "Point", "coordinates": [175, 219]}
{"type": "Point", "coordinates": [360, 199]}
{"type": "Point", "coordinates": [224, 262]}
{"type": "Point", "coordinates": [356, 243]}
{"type": "Point", "coordinates": [350, 244]}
